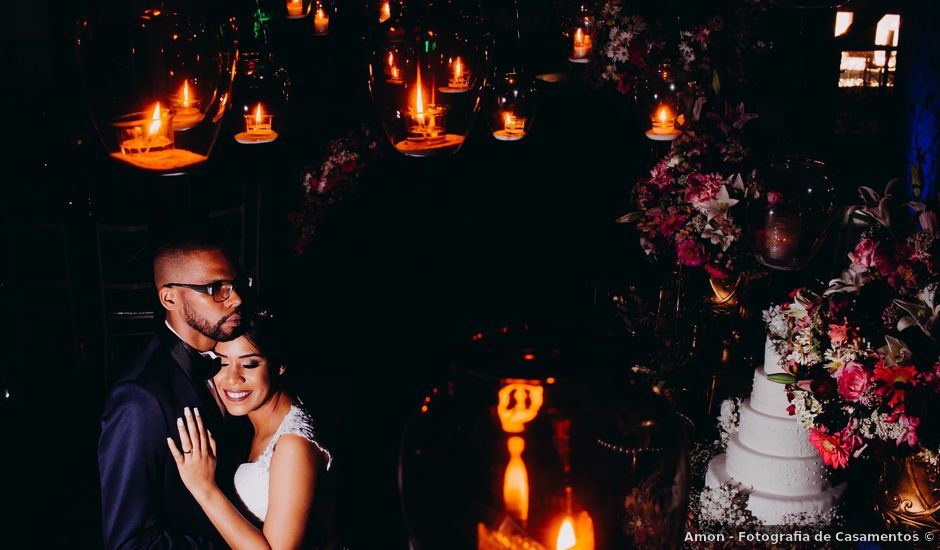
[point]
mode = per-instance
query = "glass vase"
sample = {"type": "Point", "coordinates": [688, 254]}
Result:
{"type": "Point", "coordinates": [908, 495]}
{"type": "Point", "coordinates": [790, 207]}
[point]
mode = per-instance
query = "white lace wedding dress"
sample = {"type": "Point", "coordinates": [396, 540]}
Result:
{"type": "Point", "coordinates": [251, 478]}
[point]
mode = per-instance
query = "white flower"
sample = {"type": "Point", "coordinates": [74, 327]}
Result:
{"type": "Point", "coordinates": [777, 325]}
{"type": "Point", "coordinates": [718, 206]}
{"type": "Point", "coordinates": [728, 419]}
{"type": "Point", "coordinates": [716, 236]}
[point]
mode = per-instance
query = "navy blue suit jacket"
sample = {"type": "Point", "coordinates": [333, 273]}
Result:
{"type": "Point", "coordinates": [144, 502]}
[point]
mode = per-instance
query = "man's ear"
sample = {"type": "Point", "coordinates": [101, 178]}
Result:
{"type": "Point", "coordinates": [169, 298]}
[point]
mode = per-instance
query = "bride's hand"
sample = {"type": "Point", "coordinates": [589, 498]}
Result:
{"type": "Point", "coordinates": [196, 458]}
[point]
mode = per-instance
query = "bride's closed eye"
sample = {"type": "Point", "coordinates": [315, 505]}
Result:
{"type": "Point", "coordinates": [251, 365]}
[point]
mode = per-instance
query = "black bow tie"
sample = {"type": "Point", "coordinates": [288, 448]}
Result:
{"type": "Point", "coordinates": [206, 366]}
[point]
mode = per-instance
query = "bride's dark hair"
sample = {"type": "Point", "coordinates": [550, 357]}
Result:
{"type": "Point", "coordinates": [263, 331]}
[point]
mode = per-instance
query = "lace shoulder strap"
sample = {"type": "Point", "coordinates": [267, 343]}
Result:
{"type": "Point", "coordinates": [296, 422]}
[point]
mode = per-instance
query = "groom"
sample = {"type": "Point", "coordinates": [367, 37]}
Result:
{"type": "Point", "coordinates": [144, 502]}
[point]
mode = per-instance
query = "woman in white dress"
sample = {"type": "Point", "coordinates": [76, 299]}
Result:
{"type": "Point", "coordinates": [276, 486]}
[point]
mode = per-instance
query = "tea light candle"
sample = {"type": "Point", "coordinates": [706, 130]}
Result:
{"type": "Point", "coordinates": [146, 142]}
{"type": "Point", "coordinates": [664, 125]}
{"type": "Point", "coordinates": [459, 80]}
{"type": "Point", "coordinates": [257, 128]}
{"type": "Point", "coordinates": [321, 21]}
{"type": "Point", "coordinates": [385, 12]}
{"type": "Point", "coordinates": [426, 134]}
{"type": "Point", "coordinates": [782, 236]}
{"type": "Point", "coordinates": [186, 109]}
{"type": "Point", "coordinates": [295, 9]}
{"type": "Point", "coordinates": [582, 46]}
{"type": "Point", "coordinates": [513, 128]}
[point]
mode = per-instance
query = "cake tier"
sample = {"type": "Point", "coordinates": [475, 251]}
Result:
{"type": "Point", "coordinates": [773, 509]}
{"type": "Point", "coordinates": [769, 397]}
{"type": "Point", "coordinates": [780, 475]}
{"type": "Point", "coordinates": [772, 359]}
{"type": "Point", "coordinates": [773, 435]}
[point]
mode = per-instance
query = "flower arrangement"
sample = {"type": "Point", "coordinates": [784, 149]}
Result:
{"type": "Point", "coordinates": [686, 204]}
{"type": "Point", "coordinates": [335, 179]}
{"type": "Point", "coordinates": [633, 43]}
{"type": "Point", "coordinates": [861, 356]}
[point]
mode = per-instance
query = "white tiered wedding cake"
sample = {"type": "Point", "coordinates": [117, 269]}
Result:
{"type": "Point", "coordinates": [770, 457]}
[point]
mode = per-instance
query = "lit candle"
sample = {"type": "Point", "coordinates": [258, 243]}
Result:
{"type": "Point", "coordinates": [385, 12]}
{"type": "Point", "coordinates": [426, 134]}
{"type": "Point", "coordinates": [392, 71]}
{"type": "Point", "coordinates": [582, 46]}
{"type": "Point", "coordinates": [513, 128]}
{"type": "Point", "coordinates": [459, 80]}
{"type": "Point", "coordinates": [576, 537]}
{"type": "Point", "coordinates": [664, 125]}
{"type": "Point", "coordinates": [782, 236]}
{"type": "Point", "coordinates": [257, 128]}
{"type": "Point", "coordinates": [146, 141]}
{"type": "Point", "coordinates": [150, 134]}
{"type": "Point", "coordinates": [186, 109]}
{"type": "Point", "coordinates": [295, 9]}
{"type": "Point", "coordinates": [321, 21]}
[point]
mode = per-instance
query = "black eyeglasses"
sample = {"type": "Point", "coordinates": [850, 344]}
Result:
{"type": "Point", "coordinates": [219, 290]}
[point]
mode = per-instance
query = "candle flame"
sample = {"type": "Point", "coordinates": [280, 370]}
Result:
{"type": "Point", "coordinates": [663, 114]}
{"type": "Point", "coordinates": [566, 539]}
{"type": "Point", "coordinates": [458, 68]}
{"type": "Point", "coordinates": [419, 101]}
{"type": "Point", "coordinates": [186, 93]}
{"type": "Point", "coordinates": [578, 37]}
{"type": "Point", "coordinates": [320, 13]}
{"type": "Point", "coordinates": [258, 114]}
{"type": "Point", "coordinates": [386, 12]}
{"type": "Point", "coordinates": [391, 59]}
{"type": "Point", "coordinates": [508, 118]}
{"type": "Point", "coordinates": [155, 124]}
{"type": "Point", "coordinates": [516, 480]}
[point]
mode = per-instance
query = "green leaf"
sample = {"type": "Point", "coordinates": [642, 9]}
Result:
{"type": "Point", "coordinates": [781, 378]}
{"type": "Point", "coordinates": [631, 217]}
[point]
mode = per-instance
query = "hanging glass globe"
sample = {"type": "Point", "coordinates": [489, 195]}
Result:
{"type": "Point", "coordinates": [790, 207]}
{"type": "Point", "coordinates": [539, 441]}
{"type": "Point", "coordinates": [579, 33]}
{"type": "Point", "coordinates": [158, 84]}
{"type": "Point", "coordinates": [510, 106]}
{"type": "Point", "coordinates": [426, 78]}
{"type": "Point", "coordinates": [259, 96]}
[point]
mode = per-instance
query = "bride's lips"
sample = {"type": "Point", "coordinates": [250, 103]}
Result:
{"type": "Point", "coordinates": [237, 396]}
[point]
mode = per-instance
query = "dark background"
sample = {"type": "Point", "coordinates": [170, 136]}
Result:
{"type": "Point", "coordinates": [394, 283]}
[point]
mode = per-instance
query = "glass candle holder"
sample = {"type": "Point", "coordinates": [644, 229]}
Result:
{"type": "Point", "coordinates": [260, 94]}
{"type": "Point", "coordinates": [157, 84]}
{"type": "Point", "coordinates": [297, 9]}
{"type": "Point", "coordinates": [580, 32]}
{"type": "Point", "coordinates": [425, 85]}
{"type": "Point", "coordinates": [321, 18]}
{"type": "Point", "coordinates": [790, 208]}
{"type": "Point", "coordinates": [511, 106]}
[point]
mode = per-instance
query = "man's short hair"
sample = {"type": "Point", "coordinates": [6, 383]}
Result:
{"type": "Point", "coordinates": [172, 251]}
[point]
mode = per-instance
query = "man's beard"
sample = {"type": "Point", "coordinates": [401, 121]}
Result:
{"type": "Point", "coordinates": [216, 332]}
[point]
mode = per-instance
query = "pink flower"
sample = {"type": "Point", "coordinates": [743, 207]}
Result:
{"type": "Point", "coordinates": [670, 224]}
{"type": "Point", "coordinates": [703, 187]}
{"type": "Point", "coordinates": [690, 253]}
{"type": "Point", "coordinates": [864, 256]}
{"type": "Point", "coordinates": [833, 448]}
{"type": "Point", "coordinates": [853, 381]}
{"type": "Point", "coordinates": [838, 334]}
{"type": "Point", "coordinates": [909, 426]}
{"type": "Point", "coordinates": [895, 381]}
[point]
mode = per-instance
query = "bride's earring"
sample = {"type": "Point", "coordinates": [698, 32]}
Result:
{"type": "Point", "coordinates": [280, 370]}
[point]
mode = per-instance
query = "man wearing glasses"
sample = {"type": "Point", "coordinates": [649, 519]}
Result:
{"type": "Point", "coordinates": [144, 502]}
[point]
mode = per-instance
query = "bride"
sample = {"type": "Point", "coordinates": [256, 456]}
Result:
{"type": "Point", "coordinates": [276, 486]}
